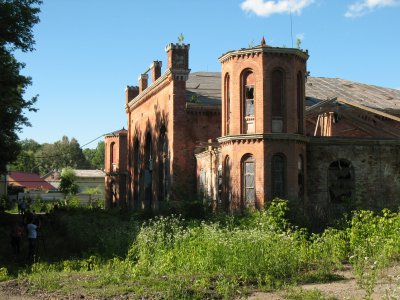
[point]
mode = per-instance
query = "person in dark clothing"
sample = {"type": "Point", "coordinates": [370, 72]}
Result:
{"type": "Point", "coordinates": [16, 234]}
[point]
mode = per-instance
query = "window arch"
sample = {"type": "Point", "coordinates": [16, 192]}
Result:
{"type": "Point", "coordinates": [278, 100]}
{"type": "Point", "coordinates": [227, 103]}
{"type": "Point", "coordinates": [112, 157]}
{"type": "Point", "coordinates": [341, 183]}
{"type": "Point", "coordinates": [278, 170]}
{"type": "Point", "coordinates": [248, 180]}
{"type": "Point", "coordinates": [300, 102]}
{"type": "Point", "coordinates": [248, 96]}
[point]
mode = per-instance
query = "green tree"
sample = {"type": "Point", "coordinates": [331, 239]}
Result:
{"type": "Point", "coordinates": [95, 156]}
{"type": "Point", "coordinates": [17, 18]}
{"type": "Point", "coordinates": [61, 154]}
{"type": "Point", "coordinates": [26, 161]}
{"type": "Point", "coordinates": [67, 182]}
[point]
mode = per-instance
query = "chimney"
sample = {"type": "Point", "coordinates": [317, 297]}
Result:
{"type": "Point", "coordinates": [155, 70]}
{"type": "Point", "coordinates": [143, 82]}
{"type": "Point", "coordinates": [130, 93]}
{"type": "Point", "coordinates": [178, 56]}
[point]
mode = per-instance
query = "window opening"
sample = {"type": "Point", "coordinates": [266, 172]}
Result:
{"type": "Point", "coordinates": [278, 176]}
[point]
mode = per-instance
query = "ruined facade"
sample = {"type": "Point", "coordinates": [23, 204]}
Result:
{"type": "Point", "coordinates": [260, 129]}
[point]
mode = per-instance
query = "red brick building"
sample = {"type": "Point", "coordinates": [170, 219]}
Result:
{"type": "Point", "coordinates": [260, 129]}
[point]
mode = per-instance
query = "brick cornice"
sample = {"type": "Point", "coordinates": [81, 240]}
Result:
{"type": "Point", "coordinates": [263, 137]}
{"type": "Point", "coordinates": [263, 49]}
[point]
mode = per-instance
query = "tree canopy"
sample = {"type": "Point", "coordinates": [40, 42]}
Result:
{"type": "Point", "coordinates": [17, 18]}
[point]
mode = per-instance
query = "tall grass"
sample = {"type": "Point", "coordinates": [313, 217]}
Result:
{"type": "Point", "coordinates": [170, 257]}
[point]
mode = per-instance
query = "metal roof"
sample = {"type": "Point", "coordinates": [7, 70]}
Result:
{"type": "Point", "coordinates": [205, 88]}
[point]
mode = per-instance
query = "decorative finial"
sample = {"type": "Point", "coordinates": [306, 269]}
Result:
{"type": "Point", "coordinates": [263, 41]}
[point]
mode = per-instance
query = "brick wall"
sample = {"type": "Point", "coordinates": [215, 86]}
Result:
{"type": "Point", "coordinates": [376, 166]}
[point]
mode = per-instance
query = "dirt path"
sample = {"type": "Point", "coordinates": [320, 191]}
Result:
{"type": "Point", "coordinates": [388, 287]}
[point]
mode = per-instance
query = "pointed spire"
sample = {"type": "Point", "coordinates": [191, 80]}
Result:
{"type": "Point", "coordinates": [263, 41]}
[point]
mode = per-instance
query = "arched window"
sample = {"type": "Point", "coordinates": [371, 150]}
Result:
{"type": "Point", "coordinates": [341, 183]}
{"type": "Point", "coordinates": [136, 172]}
{"type": "Point", "coordinates": [227, 182]}
{"type": "Point", "coordinates": [148, 171]}
{"type": "Point", "coordinates": [278, 100]}
{"type": "Point", "coordinates": [300, 178]}
{"type": "Point", "coordinates": [248, 182]}
{"type": "Point", "coordinates": [300, 102]}
{"type": "Point", "coordinates": [112, 157]}
{"type": "Point", "coordinates": [162, 164]}
{"type": "Point", "coordinates": [248, 101]}
{"type": "Point", "coordinates": [278, 169]}
{"type": "Point", "coordinates": [227, 104]}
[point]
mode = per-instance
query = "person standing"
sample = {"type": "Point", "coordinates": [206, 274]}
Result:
{"type": "Point", "coordinates": [16, 234]}
{"type": "Point", "coordinates": [31, 229]}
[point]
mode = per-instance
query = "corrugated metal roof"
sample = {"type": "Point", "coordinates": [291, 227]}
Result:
{"type": "Point", "coordinates": [320, 88]}
{"type": "Point", "coordinates": [89, 173]}
{"type": "Point", "coordinates": [205, 88]}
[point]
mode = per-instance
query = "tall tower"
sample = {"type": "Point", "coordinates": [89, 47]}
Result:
{"type": "Point", "coordinates": [263, 143]}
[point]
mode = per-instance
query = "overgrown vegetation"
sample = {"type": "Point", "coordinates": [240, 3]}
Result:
{"type": "Point", "coordinates": [109, 253]}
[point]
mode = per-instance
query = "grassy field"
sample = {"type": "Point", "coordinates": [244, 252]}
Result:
{"type": "Point", "coordinates": [107, 253]}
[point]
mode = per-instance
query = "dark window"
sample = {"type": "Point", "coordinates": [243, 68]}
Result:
{"type": "Point", "coordinates": [249, 195]}
{"type": "Point", "coordinates": [278, 176]}
{"type": "Point", "coordinates": [278, 101]}
{"type": "Point", "coordinates": [162, 169]}
{"type": "Point", "coordinates": [300, 178]}
{"type": "Point", "coordinates": [112, 157]}
{"type": "Point", "coordinates": [227, 182]}
{"type": "Point", "coordinates": [227, 103]}
{"type": "Point", "coordinates": [148, 174]}
{"type": "Point", "coordinates": [300, 102]}
{"type": "Point", "coordinates": [341, 181]}
{"type": "Point", "coordinates": [136, 172]}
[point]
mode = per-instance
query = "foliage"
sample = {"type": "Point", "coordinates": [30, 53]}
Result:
{"type": "Point", "coordinates": [61, 154]}
{"type": "Point", "coordinates": [16, 22]}
{"type": "Point", "coordinates": [26, 161]}
{"type": "Point", "coordinates": [95, 157]}
{"type": "Point", "coordinates": [67, 182]}
{"type": "Point", "coordinates": [175, 258]}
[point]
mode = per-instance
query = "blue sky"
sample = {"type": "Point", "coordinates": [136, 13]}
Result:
{"type": "Point", "coordinates": [87, 51]}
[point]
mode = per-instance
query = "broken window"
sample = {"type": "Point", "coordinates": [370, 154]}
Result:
{"type": "Point", "coordinates": [113, 160]}
{"type": "Point", "coordinates": [341, 183]}
{"type": "Point", "coordinates": [278, 176]}
{"type": "Point", "coordinates": [248, 102]}
{"type": "Point", "coordinates": [249, 194]}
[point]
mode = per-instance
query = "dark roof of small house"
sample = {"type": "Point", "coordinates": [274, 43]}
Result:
{"type": "Point", "coordinates": [205, 88]}
{"type": "Point", "coordinates": [29, 181]}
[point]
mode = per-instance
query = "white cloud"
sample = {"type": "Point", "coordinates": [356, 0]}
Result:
{"type": "Point", "coordinates": [360, 8]}
{"type": "Point", "coordinates": [266, 8]}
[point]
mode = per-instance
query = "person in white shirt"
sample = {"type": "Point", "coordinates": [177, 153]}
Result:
{"type": "Point", "coordinates": [31, 229]}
